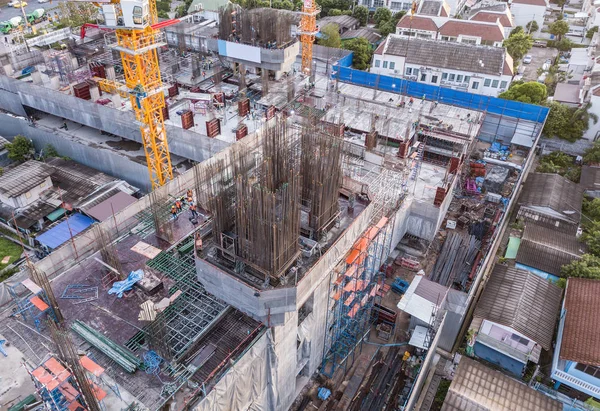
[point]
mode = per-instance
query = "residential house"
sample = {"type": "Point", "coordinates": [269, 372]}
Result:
{"type": "Point", "coordinates": [35, 195]}
{"type": "Point", "coordinates": [4, 160]}
{"type": "Point", "coordinates": [475, 69]}
{"type": "Point", "coordinates": [428, 7]}
{"type": "Point", "coordinates": [491, 16]}
{"type": "Point", "coordinates": [543, 251]}
{"type": "Point", "coordinates": [576, 361]}
{"type": "Point", "coordinates": [515, 318]}
{"type": "Point", "coordinates": [580, 64]}
{"type": "Point", "coordinates": [344, 23]}
{"type": "Point", "coordinates": [568, 94]}
{"type": "Point", "coordinates": [447, 29]}
{"type": "Point", "coordinates": [476, 387]}
{"type": "Point", "coordinates": [368, 33]}
{"type": "Point", "coordinates": [438, 8]}
{"type": "Point", "coordinates": [590, 180]}
{"type": "Point", "coordinates": [551, 200]}
{"type": "Point", "coordinates": [525, 11]}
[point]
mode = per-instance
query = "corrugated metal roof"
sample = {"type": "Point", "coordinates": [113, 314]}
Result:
{"type": "Point", "coordinates": [553, 191]}
{"type": "Point", "coordinates": [590, 178]}
{"type": "Point", "coordinates": [60, 233]}
{"type": "Point", "coordinates": [547, 249]}
{"type": "Point", "coordinates": [523, 301]}
{"type": "Point", "coordinates": [22, 178]}
{"type": "Point", "coordinates": [114, 204]}
{"type": "Point", "coordinates": [344, 22]}
{"type": "Point", "coordinates": [581, 334]}
{"type": "Point", "coordinates": [476, 387]}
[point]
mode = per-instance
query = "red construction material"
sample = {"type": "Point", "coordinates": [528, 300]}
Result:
{"type": "Point", "coordinates": [213, 127]}
{"type": "Point", "coordinates": [187, 120]}
{"type": "Point", "coordinates": [82, 90]}
{"type": "Point", "coordinates": [241, 132]}
{"type": "Point", "coordinates": [243, 107]}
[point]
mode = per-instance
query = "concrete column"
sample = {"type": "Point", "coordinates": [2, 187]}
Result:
{"type": "Point", "coordinates": [36, 76]}
{"type": "Point", "coordinates": [110, 72]}
{"type": "Point", "coordinates": [94, 93]}
{"type": "Point", "coordinates": [8, 69]}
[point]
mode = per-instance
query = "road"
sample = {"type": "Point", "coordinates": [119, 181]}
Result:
{"type": "Point", "coordinates": [7, 12]}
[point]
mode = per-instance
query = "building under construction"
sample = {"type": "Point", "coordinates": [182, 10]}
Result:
{"type": "Point", "coordinates": [307, 189]}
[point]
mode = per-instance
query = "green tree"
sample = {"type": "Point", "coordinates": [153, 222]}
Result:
{"type": "Point", "coordinates": [591, 237]}
{"type": "Point", "coordinates": [559, 28]}
{"type": "Point", "coordinates": [592, 154]}
{"type": "Point", "coordinates": [362, 52]}
{"type": "Point", "coordinates": [361, 13]}
{"type": "Point", "coordinates": [399, 15]}
{"type": "Point", "coordinates": [532, 26]}
{"type": "Point", "coordinates": [590, 33]}
{"type": "Point", "coordinates": [382, 15]}
{"type": "Point", "coordinates": [587, 267]}
{"type": "Point", "coordinates": [560, 163]}
{"type": "Point", "coordinates": [518, 44]}
{"type": "Point", "coordinates": [563, 44]}
{"type": "Point", "coordinates": [49, 151]}
{"type": "Point", "coordinates": [387, 28]}
{"type": "Point", "coordinates": [21, 149]}
{"type": "Point", "coordinates": [331, 36]}
{"type": "Point", "coordinates": [516, 30]}
{"type": "Point", "coordinates": [75, 14]}
{"type": "Point", "coordinates": [567, 123]}
{"type": "Point", "coordinates": [531, 92]}
{"type": "Point", "coordinates": [335, 12]}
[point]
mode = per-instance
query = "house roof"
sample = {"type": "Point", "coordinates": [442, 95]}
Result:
{"type": "Point", "coordinates": [368, 33]}
{"type": "Point", "coordinates": [476, 387]}
{"type": "Point", "coordinates": [431, 8]}
{"type": "Point", "coordinates": [3, 142]}
{"type": "Point", "coordinates": [344, 22]}
{"type": "Point", "coordinates": [547, 249]}
{"type": "Point", "coordinates": [22, 178]}
{"type": "Point", "coordinates": [581, 333]}
{"type": "Point", "coordinates": [493, 16]}
{"type": "Point", "coordinates": [567, 93]}
{"type": "Point", "coordinates": [590, 178]}
{"type": "Point", "coordinates": [424, 23]}
{"type": "Point", "coordinates": [109, 206]}
{"type": "Point", "coordinates": [531, 2]}
{"type": "Point", "coordinates": [523, 301]}
{"type": "Point", "coordinates": [422, 298]}
{"type": "Point", "coordinates": [63, 231]}
{"type": "Point", "coordinates": [553, 191]}
{"type": "Point", "coordinates": [486, 31]}
{"type": "Point", "coordinates": [445, 54]}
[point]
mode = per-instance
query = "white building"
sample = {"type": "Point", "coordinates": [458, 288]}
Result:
{"type": "Point", "coordinates": [476, 69]}
{"type": "Point", "coordinates": [449, 29]}
{"type": "Point", "coordinates": [501, 14]}
{"type": "Point", "coordinates": [525, 11]}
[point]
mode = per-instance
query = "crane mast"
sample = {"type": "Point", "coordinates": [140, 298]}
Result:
{"type": "Point", "coordinates": [308, 31]}
{"type": "Point", "coordinates": [137, 42]}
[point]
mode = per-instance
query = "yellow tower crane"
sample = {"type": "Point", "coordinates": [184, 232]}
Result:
{"type": "Point", "coordinates": [308, 31]}
{"type": "Point", "coordinates": [138, 38]}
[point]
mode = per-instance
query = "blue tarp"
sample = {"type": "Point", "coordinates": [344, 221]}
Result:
{"type": "Point", "coordinates": [62, 232]}
{"type": "Point", "coordinates": [121, 286]}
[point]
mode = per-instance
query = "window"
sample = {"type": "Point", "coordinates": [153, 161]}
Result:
{"type": "Point", "coordinates": [452, 77]}
{"type": "Point", "coordinates": [503, 84]}
{"type": "Point", "coordinates": [495, 83]}
{"type": "Point", "coordinates": [444, 76]}
{"type": "Point", "coordinates": [588, 369]}
{"type": "Point", "coordinates": [392, 65]}
{"type": "Point", "coordinates": [378, 3]}
{"type": "Point", "coordinates": [475, 85]}
{"type": "Point", "coordinates": [519, 339]}
{"type": "Point", "coordinates": [406, 6]}
{"type": "Point", "coordinates": [459, 78]}
{"type": "Point", "coordinates": [396, 5]}
{"type": "Point", "coordinates": [487, 82]}
{"type": "Point", "coordinates": [377, 63]}
{"type": "Point", "coordinates": [445, 38]}
{"type": "Point", "coordinates": [408, 71]}
{"type": "Point", "coordinates": [415, 72]}
{"type": "Point", "coordinates": [137, 15]}
{"type": "Point", "coordinates": [423, 77]}
{"type": "Point", "coordinates": [434, 79]}
{"type": "Point", "coordinates": [385, 63]}
{"type": "Point", "coordinates": [467, 79]}
{"type": "Point", "coordinates": [469, 41]}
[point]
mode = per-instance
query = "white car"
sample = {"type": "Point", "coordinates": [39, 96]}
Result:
{"type": "Point", "coordinates": [13, 2]}
{"type": "Point", "coordinates": [42, 1]}
{"type": "Point", "coordinates": [527, 59]}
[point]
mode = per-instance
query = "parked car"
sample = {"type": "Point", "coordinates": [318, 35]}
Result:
{"type": "Point", "coordinates": [12, 3]}
{"type": "Point", "coordinates": [541, 44]}
{"type": "Point", "coordinates": [42, 1]}
{"type": "Point", "coordinates": [528, 59]}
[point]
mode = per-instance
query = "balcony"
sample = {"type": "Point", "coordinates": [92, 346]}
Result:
{"type": "Point", "coordinates": [576, 383]}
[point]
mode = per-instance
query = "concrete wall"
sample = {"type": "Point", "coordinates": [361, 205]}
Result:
{"type": "Point", "coordinates": [182, 142]}
{"type": "Point", "coordinates": [105, 160]}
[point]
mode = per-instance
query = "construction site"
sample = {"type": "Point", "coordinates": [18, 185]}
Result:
{"type": "Point", "coordinates": [315, 192]}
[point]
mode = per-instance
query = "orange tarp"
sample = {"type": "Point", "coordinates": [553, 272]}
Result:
{"type": "Point", "coordinates": [57, 369]}
{"type": "Point", "coordinates": [337, 295]}
{"type": "Point", "coordinates": [76, 406]}
{"type": "Point", "coordinates": [351, 271]}
{"type": "Point", "coordinates": [91, 366]}
{"type": "Point", "coordinates": [99, 393]}
{"type": "Point", "coordinates": [355, 285]}
{"type": "Point", "coordinates": [39, 303]}
{"type": "Point", "coordinates": [353, 311]}
{"type": "Point", "coordinates": [349, 299]}
{"type": "Point", "coordinates": [45, 378]}
{"type": "Point", "coordinates": [68, 391]}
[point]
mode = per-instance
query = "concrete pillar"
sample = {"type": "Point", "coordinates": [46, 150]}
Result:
{"type": "Point", "coordinates": [8, 69]}
{"type": "Point", "coordinates": [36, 76]}
{"type": "Point", "coordinates": [94, 93]}
{"type": "Point", "coordinates": [75, 63]}
{"type": "Point", "coordinates": [278, 74]}
{"type": "Point", "coordinates": [110, 72]}
{"type": "Point", "coordinates": [54, 82]}
{"type": "Point", "coordinates": [116, 99]}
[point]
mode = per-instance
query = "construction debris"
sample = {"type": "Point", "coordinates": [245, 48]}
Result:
{"type": "Point", "coordinates": [455, 262]}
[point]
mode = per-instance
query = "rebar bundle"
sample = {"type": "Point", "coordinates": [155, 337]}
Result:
{"type": "Point", "coordinates": [322, 175]}
{"type": "Point", "coordinates": [159, 208]}
{"type": "Point", "coordinates": [41, 279]}
{"type": "Point", "coordinates": [108, 252]}
{"type": "Point", "coordinates": [263, 27]}
{"type": "Point", "coordinates": [456, 259]}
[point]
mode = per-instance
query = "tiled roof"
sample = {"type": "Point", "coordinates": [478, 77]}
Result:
{"type": "Point", "coordinates": [492, 17]}
{"type": "Point", "coordinates": [581, 333]}
{"type": "Point", "coordinates": [547, 249]}
{"type": "Point", "coordinates": [523, 301]}
{"type": "Point", "coordinates": [344, 22]}
{"type": "Point", "coordinates": [590, 178]}
{"type": "Point", "coordinates": [417, 23]}
{"type": "Point", "coordinates": [431, 7]}
{"type": "Point", "coordinates": [370, 34]}
{"type": "Point", "coordinates": [531, 2]}
{"type": "Point", "coordinates": [476, 387]}
{"type": "Point", "coordinates": [445, 54]}
{"type": "Point", "coordinates": [22, 178]}
{"type": "Point", "coordinates": [553, 191]}
{"type": "Point", "coordinates": [486, 31]}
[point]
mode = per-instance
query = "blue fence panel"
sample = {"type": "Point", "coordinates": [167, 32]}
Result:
{"type": "Point", "coordinates": [346, 61]}
{"type": "Point", "coordinates": [444, 95]}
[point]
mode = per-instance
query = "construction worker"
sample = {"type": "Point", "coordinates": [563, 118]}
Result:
{"type": "Point", "coordinates": [189, 194]}
{"type": "Point", "coordinates": [174, 212]}
{"type": "Point", "coordinates": [411, 101]}
{"type": "Point", "coordinates": [193, 210]}
{"type": "Point", "coordinates": [178, 206]}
